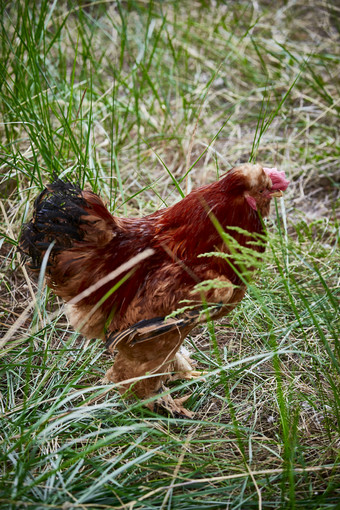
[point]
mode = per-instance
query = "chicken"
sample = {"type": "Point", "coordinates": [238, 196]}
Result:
{"type": "Point", "coordinates": [123, 277]}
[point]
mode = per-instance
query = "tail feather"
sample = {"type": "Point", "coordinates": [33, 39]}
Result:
{"type": "Point", "coordinates": [76, 222]}
{"type": "Point", "coordinates": [58, 210]}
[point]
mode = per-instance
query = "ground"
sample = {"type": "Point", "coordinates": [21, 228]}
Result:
{"type": "Point", "coordinates": [142, 101]}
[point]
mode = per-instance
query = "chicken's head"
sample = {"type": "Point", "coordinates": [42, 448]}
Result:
{"type": "Point", "coordinates": [262, 184]}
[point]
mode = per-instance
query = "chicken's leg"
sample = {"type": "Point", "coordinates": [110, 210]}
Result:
{"type": "Point", "coordinates": [148, 357]}
{"type": "Point", "coordinates": [145, 387]}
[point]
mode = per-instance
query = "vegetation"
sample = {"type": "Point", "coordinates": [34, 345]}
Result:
{"type": "Point", "coordinates": [144, 101]}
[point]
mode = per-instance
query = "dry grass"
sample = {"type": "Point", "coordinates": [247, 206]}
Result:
{"type": "Point", "coordinates": [128, 98]}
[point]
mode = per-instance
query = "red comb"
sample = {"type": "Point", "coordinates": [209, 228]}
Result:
{"type": "Point", "coordinates": [278, 179]}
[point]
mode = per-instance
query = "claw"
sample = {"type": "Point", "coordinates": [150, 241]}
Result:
{"type": "Point", "coordinates": [175, 407]}
{"type": "Point", "coordinates": [196, 374]}
{"type": "Point", "coordinates": [183, 399]}
{"type": "Point", "coordinates": [188, 375]}
{"type": "Point", "coordinates": [182, 369]}
{"type": "Point", "coordinates": [172, 405]}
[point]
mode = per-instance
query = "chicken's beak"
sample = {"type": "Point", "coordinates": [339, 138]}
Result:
{"type": "Point", "coordinates": [276, 194]}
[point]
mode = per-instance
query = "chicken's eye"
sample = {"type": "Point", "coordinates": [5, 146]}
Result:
{"type": "Point", "coordinates": [261, 190]}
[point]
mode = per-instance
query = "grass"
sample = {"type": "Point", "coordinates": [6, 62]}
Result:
{"type": "Point", "coordinates": [144, 101]}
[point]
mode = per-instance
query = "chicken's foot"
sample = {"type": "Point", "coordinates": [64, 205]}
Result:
{"type": "Point", "coordinates": [172, 405]}
{"type": "Point", "coordinates": [182, 369]}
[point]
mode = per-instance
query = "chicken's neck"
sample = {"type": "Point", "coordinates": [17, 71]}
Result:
{"type": "Point", "coordinates": [195, 225]}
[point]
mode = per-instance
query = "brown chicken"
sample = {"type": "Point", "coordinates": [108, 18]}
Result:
{"type": "Point", "coordinates": [122, 277]}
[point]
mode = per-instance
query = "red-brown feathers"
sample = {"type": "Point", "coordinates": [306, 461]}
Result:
{"type": "Point", "coordinates": [89, 243]}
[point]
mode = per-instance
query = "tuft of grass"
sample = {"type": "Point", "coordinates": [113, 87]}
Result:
{"type": "Point", "coordinates": [144, 101]}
